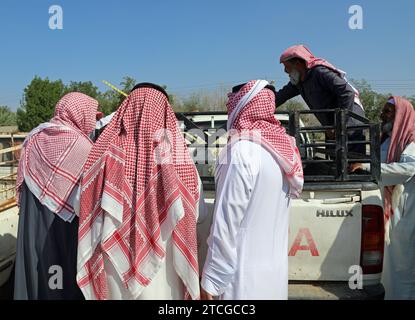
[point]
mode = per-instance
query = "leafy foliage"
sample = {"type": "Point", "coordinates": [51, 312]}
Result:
{"type": "Point", "coordinates": [7, 117]}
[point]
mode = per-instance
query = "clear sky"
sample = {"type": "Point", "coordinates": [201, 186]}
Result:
{"type": "Point", "coordinates": [191, 44]}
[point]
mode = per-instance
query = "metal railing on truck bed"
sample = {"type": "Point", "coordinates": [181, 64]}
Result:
{"type": "Point", "coordinates": [325, 159]}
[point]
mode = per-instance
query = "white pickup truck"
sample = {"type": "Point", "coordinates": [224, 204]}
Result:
{"type": "Point", "coordinates": [336, 233]}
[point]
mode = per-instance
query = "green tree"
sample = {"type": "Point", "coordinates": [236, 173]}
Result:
{"type": "Point", "coordinates": [173, 99]}
{"type": "Point", "coordinates": [38, 104]}
{"type": "Point", "coordinates": [127, 84]}
{"type": "Point", "coordinates": [209, 100]}
{"type": "Point", "coordinates": [107, 101]}
{"type": "Point", "coordinates": [192, 103]}
{"type": "Point", "coordinates": [7, 117]}
{"type": "Point", "coordinates": [372, 101]}
{"type": "Point", "coordinates": [110, 100]}
{"type": "Point", "coordinates": [86, 87]}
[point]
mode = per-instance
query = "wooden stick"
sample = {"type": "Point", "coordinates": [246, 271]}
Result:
{"type": "Point", "coordinates": [7, 204]}
{"type": "Point", "coordinates": [7, 150]}
{"type": "Point", "coordinates": [8, 176]}
{"type": "Point", "coordinates": [114, 88]}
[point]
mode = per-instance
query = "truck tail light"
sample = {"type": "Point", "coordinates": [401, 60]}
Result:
{"type": "Point", "coordinates": [373, 237]}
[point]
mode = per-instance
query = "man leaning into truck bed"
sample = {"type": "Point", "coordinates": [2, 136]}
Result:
{"type": "Point", "coordinates": [322, 86]}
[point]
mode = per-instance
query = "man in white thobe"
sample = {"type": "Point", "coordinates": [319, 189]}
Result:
{"type": "Point", "coordinates": [398, 179]}
{"type": "Point", "coordinates": [248, 243]}
{"type": "Point", "coordinates": [144, 194]}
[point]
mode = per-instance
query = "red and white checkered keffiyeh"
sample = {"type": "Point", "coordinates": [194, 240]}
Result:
{"type": "Point", "coordinates": [302, 52]}
{"type": "Point", "coordinates": [254, 120]}
{"type": "Point", "coordinates": [403, 134]}
{"type": "Point", "coordinates": [140, 188]}
{"type": "Point", "coordinates": [55, 152]}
